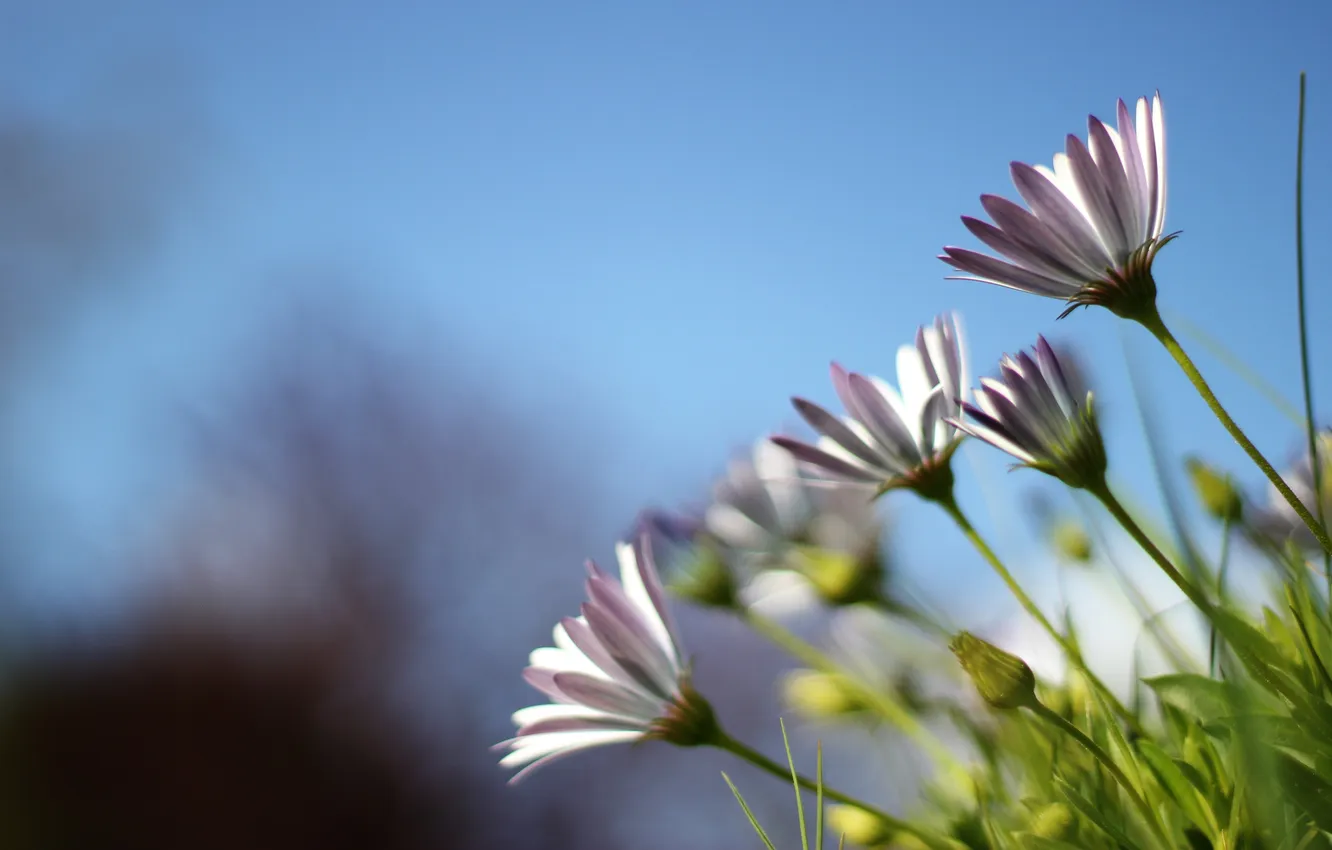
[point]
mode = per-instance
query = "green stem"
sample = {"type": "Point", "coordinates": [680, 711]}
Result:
{"type": "Point", "coordinates": [950, 506]}
{"type": "Point", "coordinates": [882, 705]}
{"type": "Point", "coordinates": [1158, 329]}
{"type": "Point", "coordinates": [1165, 638]}
{"type": "Point", "coordinates": [1310, 433]}
{"type": "Point", "coordinates": [1104, 758]}
{"type": "Point", "coordinates": [1223, 561]}
{"type": "Point", "coordinates": [754, 757]}
{"type": "Point", "coordinates": [1102, 492]}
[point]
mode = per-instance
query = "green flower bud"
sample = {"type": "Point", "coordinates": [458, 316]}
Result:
{"type": "Point", "coordinates": [841, 578]}
{"type": "Point", "coordinates": [1055, 820]}
{"type": "Point", "coordinates": [1071, 541]}
{"type": "Point", "coordinates": [1003, 679]}
{"type": "Point", "coordinates": [859, 826]}
{"type": "Point", "coordinates": [819, 695]}
{"type": "Point", "coordinates": [706, 580]}
{"type": "Point", "coordinates": [1215, 490]}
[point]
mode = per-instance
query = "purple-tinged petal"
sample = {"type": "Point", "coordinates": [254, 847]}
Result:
{"type": "Point", "coordinates": [1020, 254]}
{"type": "Point", "coordinates": [1055, 209]}
{"type": "Point", "coordinates": [836, 430]}
{"type": "Point", "coordinates": [1135, 171]}
{"type": "Point", "coordinates": [883, 422]}
{"type": "Point", "coordinates": [1096, 195]}
{"type": "Point", "coordinates": [829, 463]}
{"type": "Point", "coordinates": [1120, 198]}
{"type": "Point", "coordinates": [990, 270]}
{"type": "Point", "coordinates": [607, 696]}
{"type": "Point", "coordinates": [1041, 239]}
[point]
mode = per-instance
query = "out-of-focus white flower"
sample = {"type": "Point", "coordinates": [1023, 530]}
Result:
{"type": "Point", "coordinates": [888, 440]}
{"type": "Point", "coordinates": [1279, 520]}
{"type": "Point", "coordinates": [1095, 224]}
{"type": "Point", "coordinates": [765, 510]}
{"type": "Point", "coordinates": [1035, 413]}
{"type": "Point", "coordinates": [615, 673]}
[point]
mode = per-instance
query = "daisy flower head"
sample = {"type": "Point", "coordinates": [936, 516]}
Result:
{"type": "Point", "coordinates": [1040, 415]}
{"type": "Point", "coordinates": [615, 674]}
{"type": "Point", "coordinates": [764, 510]}
{"type": "Point", "coordinates": [1094, 224]}
{"type": "Point", "coordinates": [889, 440]}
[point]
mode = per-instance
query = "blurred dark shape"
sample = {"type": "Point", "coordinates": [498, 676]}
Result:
{"type": "Point", "coordinates": [81, 199]}
{"type": "Point", "coordinates": [186, 738]}
{"type": "Point", "coordinates": [333, 636]}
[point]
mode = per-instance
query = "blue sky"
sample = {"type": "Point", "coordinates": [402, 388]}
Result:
{"type": "Point", "coordinates": [674, 213]}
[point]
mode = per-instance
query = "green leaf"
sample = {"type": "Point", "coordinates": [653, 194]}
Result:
{"type": "Point", "coordinates": [753, 821]}
{"type": "Point", "coordinates": [1279, 731]}
{"type": "Point", "coordinates": [795, 781]}
{"type": "Point", "coordinates": [1120, 750]}
{"type": "Point", "coordinates": [1091, 812]}
{"type": "Point", "coordinates": [1194, 806]}
{"type": "Point", "coordinates": [1307, 790]}
{"type": "Point", "coordinates": [1031, 841]}
{"type": "Point", "coordinates": [1198, 696]}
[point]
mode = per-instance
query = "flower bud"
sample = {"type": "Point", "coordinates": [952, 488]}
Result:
{"type": "Point", "coordinates": [859, 826]}
{"type": "Point", "coordinates": [1215, 491]}
{"type": "Point", "coordinates": [841, 578]}
{"type": "Point", "coordinates": [1071, 541]}
{"type": "Point", "coordinates": [1054, 821]}
{"type": "Point", "coordinates": [706, 579]}
{"type": "Point", "coordinates": [1003, 679]}
{"type": "Point", "coordinates": [819, 695]}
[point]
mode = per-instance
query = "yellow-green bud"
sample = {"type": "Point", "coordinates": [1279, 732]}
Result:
{"type": "Point", "coordinates": [859, 826]}
{"type": "Point", "coordinates": [706, 580]}
{"type": "Point", "coordinates": [840, 578]}
{"type": "Point", "coordinates": [1071, 541]}
{"type": "Point", "coordinates": [1215, 490]}
{"type": "Point", "coordinates": [819, 695]}
{"type": "Point", "coordinates": [1003, 679]}
{"type": "Point", "coordinates": [1054, 821]}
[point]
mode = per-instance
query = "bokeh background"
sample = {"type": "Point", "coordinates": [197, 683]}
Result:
{"type": "Point", "coordinates": [334, 336]}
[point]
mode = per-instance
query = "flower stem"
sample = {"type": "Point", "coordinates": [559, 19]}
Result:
{"type": "Point", "coordinates": [1310, 432]}
{"type": "Point", "coordinates": [1223, 563]}
{"type": "Point", "coordinates": [1103, 757]}
{"type": "Point", "coordinates": [951, 507]}
{"type": "Point", "coordinates": [1107, 498]}
{"type": "Point", "coordinates": [1158, 329]}
{"type": "Point", "coordinates": [762, 762]}
{"type": "Point", "coordinates": [881, 703]}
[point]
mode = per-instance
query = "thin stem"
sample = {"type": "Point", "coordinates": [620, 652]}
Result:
{"type": "Point", "coordinates": [1104, 758]}
{"type": "Point", "coordinates": [1154, 324]}
{"type": "Point", "coordinates": [1223, 562]}
{"type": "Point", "coordinates": [951, 507]}
{"type": "Point", "coordinates": [882, 704]}
{"type": "Point", "coordinates": [1102, 492]}
{"type": "Point", "coordinates": [1165, 638]}
{"type": "Point", "coordinates": [783, 772]}
{"type": "Point", "coordinates": [1310, 433]}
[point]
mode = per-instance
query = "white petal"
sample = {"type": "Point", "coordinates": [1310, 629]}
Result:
{"type": "Point", "coordinates": [912, 379]}
{"type": "Point", "coordinates": [531, 748]}
{"type": "Point", "coordinates": [533, 713]}
{"type": "Point", "coordinates": [732, 527]}
{"type": "Point", "coordinates": [562, 660]}
{"type": "Point", "coordinates": [635, 587]}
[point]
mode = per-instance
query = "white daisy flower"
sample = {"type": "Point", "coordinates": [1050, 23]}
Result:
{"type": "Point", "coordinates": [615, 673]}
{"type": "Point", "coordinates": [1095, 223]}
{"type": "Point", "coordinates": [1037, 413]}
{"type": "Point", "coordinates": [889, 440]}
